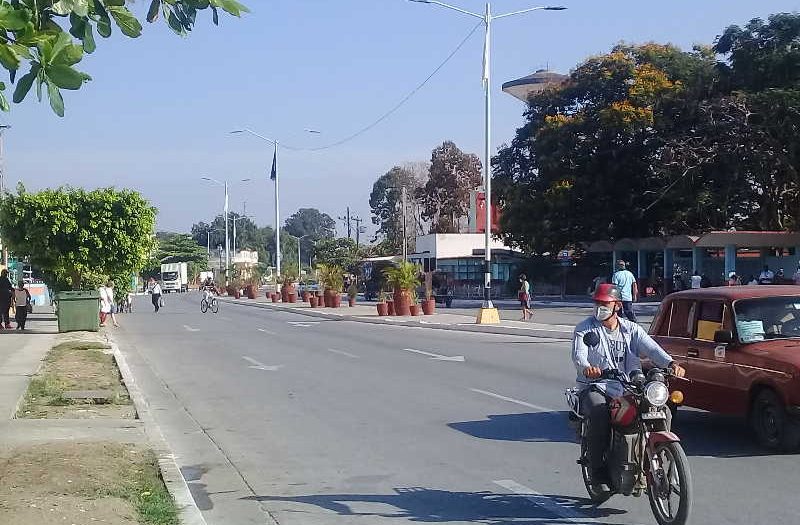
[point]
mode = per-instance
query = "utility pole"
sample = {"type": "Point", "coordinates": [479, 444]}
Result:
{"type": "Point", "coordinates": [405, 243]}
{"type": "Point", "coordinates": [3, 186]}
{"type": "Point", "coordinates": [358, 221]}
{"type": "Point", "coordinates": [346, 220]}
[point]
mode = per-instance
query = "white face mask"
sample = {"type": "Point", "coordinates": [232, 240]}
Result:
{"type": "Point", "coordinates": [603, 313]}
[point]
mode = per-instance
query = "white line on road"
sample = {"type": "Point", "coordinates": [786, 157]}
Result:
{"type": "Point", "coordinates": [340, 352]}
{"type": "Point", "coordinates": [304, 325]}
{"type": "Point", "coordinates": [437, 357]}
{"type": "Point", "coordinates": [260, 366]}
{"type": "Point", "coordinates": [190, 329]}
{"type": "Point", "coordinates": [512, 400]}
{"type": "Point", "coordinates": [550, 504]}
{"type": "Point", "coordinates": [267, 331]}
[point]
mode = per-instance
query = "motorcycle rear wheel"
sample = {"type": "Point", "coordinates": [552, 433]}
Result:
{"type": "Point", "coordinates": [673, 479]}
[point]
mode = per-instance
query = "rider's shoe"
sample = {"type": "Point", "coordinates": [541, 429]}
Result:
{"type": "Point", "coordinates": [601, 481]}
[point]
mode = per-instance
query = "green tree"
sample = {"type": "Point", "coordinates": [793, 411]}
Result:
{"type": "Point", "coordinates": [310, 225]}
{"type": "Point", "coordinates": [452, 176]}
{"type": "Point", "coordinates": [342, 252]}
{"type": "Point", "coordinates": [178, 247]}
{"type": "Point", "coordinates": [48, 38]}
{"type": "Point", "coordinates": [71, 232]}
{"type": "Point", "coordinates": [386, 204]}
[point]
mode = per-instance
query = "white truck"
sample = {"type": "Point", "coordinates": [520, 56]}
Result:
{"type": "Point", "coordinates": [174, 277]}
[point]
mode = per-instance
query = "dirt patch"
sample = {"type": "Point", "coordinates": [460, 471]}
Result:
{"type": "Point", "coordinates": [77, 365]}
{"type": "Point", "coordinates": [80, 483]}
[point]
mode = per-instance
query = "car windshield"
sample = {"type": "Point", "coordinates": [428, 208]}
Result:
{"type": "Point", "coordinates": [767, 318]}
{"type": "Point", "coordinates": [170, 276]}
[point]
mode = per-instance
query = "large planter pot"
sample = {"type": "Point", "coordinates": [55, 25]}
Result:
{"type": "Point", "coordinates": [402, 303]}
{"type": "Point", "coordinates": [274, 297]}
{"type": "Point", "coordinates": [250, 291]}
{"type": "Point", "coordinates": [351, 301]}
{"type": "Point", "coordinates": [286, 291]}
{"type": "Point", "coordinates": [306, 297]}
{"type": "Point", "coordinates": [383, 309]}
{"type": "Point", "coordinates": [313, 301]}
{"type": "Point", "coordinates": [415, 310]}
{"type": "Point", "coordinates": [429, 306]}
{"type": "Point", "coordinates": [390, 307]}
{"type": "Point", "coordinates": [292, 297]}
{"type": "Point", "coordinates": [333, 299]}
{"type": "Point", "coordinates": [321, 300]}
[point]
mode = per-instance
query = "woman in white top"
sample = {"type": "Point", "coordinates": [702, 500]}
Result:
{"type": "Point", "coordinates": [107, 303]}
{"type": "Point", "coordinates": [525, 297]}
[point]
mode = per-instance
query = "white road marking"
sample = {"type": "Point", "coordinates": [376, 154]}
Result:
{"type": "Point", "coordinates": [260, 366]}
{"type": "Point", "coordinates": [512, 400]}
{"type": "Point", "coordinates": [304, 325]}
{"type": "Point", "coordinates": [340, 352]}
{"type": "Point", "coordinates": [437, 357]}
{"type": "Point", "coordinates": [190, 329]}
{"type": "Point", "coordinates": [267, 331]}
{"type": "Point", "coordinates": [550, 504]}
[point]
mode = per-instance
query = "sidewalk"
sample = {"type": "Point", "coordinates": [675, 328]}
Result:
{"type": "Point", "coordinates": [441, 320]}
{"type": "Point", "coordinates": [21, 439]}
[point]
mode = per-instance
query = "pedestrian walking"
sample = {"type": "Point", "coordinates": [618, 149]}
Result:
{"type": "Point", "coordinates": [626, 282]}
{"type": "Point", "coordinates": [733, 279]}
{"type": "Point", "coordinates": [155, 293]}
{"type": "Point", "coordinates": [766, 276]}
{"type": "Point", "coordinates": [525, 297]}
{"type": "Point", "coordinates": [22, 300]}
{"type": "Point", "coordinates": [6, 296]}
{"type": "Point", "coordinates": [106, 300]}
{"type": "Point", "coordinates": [697, 280]}
{"type": "Point", "coordinates": [112, 298]}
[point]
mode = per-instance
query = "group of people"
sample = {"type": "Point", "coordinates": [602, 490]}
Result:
{"type": "Point", "coordinates": [17, 298]}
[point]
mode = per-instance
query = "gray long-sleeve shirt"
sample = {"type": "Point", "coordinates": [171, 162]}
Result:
{"type": "Point", "coordinates": [638, 344]}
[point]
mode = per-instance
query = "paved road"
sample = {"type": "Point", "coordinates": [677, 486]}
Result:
{"type": "Point", "coordinates": [276, 416]}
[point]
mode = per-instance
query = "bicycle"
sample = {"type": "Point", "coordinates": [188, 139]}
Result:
{"type": "Point", "coordinates": [208, 302]}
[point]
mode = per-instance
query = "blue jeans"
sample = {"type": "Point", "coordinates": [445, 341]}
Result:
{"type": "Point", "coordinates": [627, 308]}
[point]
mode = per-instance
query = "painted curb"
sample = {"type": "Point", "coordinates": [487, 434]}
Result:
{"type": "Point", "coordinates": [481, 329]}
{"type": "Point", "coordinates": [170, 472]}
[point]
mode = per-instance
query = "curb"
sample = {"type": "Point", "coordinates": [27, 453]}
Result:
{"type": "Point", "coordinates": [481, 329]}
{"type": "Point", "coordinates": [170, 472]}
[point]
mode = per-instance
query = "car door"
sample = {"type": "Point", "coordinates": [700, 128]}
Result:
{"type": "Point", "coordinates": [710, 363]}
{"type": "Point", "coordinates": [674, 334]}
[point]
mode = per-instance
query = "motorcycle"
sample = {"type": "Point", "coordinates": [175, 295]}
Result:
{"type": "Point", "coordinates": [643, 453]}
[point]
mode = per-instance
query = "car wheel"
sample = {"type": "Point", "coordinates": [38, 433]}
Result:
{"type": "Point", "coordinates": [773, 427]}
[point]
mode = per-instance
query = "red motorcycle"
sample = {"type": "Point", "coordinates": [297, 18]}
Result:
{"type": "Point", "coordinates": [643, 453]}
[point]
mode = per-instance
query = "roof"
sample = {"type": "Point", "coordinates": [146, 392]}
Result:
{"type": "Point", "coordinates": [738, 292]}
{"type": "Point", "coordinates": [523, 88]}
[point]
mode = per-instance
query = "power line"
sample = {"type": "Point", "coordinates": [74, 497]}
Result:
{"type": "Point", "coordinates": [396, 107]}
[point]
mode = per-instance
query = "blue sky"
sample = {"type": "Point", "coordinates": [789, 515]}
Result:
{"type": "Point", "coordinates": [156, 116]}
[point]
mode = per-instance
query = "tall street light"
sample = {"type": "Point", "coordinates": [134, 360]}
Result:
{"type": "Point", "coordinates": [488, 312]}
{"type": "Point", "coordinates": [274, 178]}
{"type": "Point", "coordinates": [298, 239]}
{"type": "Point", "coordinates": [225, 212]}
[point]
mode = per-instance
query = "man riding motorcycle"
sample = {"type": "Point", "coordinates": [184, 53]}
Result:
{"type": "Point", "coordinates": [622, 344]}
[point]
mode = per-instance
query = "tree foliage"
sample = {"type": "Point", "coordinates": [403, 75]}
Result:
{"type": "Point", "coordinates": [341, 252]}
{"type": "Point", "coordinates": [310, 225]}
{"type": "Point", "coordinates": [387, 210]}
{"type": "Point", "coordinates": [445, 196]}
{"type": "Point", "coordinates": [70, 232]}
{"type": "Point", "coordinates": [652, 140]}
{"type": "Point", "coordinates": [177, 247]}
{"type": "Point", "coordinates": [47, 39]}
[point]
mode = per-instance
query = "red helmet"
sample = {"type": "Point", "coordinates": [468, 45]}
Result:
{"type": "Point", "coordinates": [606, 293]}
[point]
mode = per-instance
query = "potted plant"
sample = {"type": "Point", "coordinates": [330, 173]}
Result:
{"type": "Point", "coordinates": [352, 293]}
{"type": "Point", "coordinates": [414, 306]}
{"type": "Point", "coordinates": [383, 306]}
{"type": "Point", "coordinates": [288, 290]}
{"type": "Point", "coordinates": [313, 300]}
{"type": "Point", "coordinates": [306, 294]}
{"type": "Point", "coordinates": [332, 278]}
{"type": "Point", "coordinates": [404, 279]}
{"type": "Point", "coordinates": [429, 304]}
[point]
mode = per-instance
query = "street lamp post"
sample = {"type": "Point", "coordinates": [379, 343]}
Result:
{"type": "Point", "coordinates": [488, 312]}
{"type": "Point", "coordinates": [277, 193]}
{"type": "Point", "coordinates": [225, 213]}
{"type": "Point", "coordinates": [235, 220]}
{"type": "Point", "coordinates": [298, 239]}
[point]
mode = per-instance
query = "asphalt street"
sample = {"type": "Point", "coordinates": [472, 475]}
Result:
{"type": "Point", "coordinates": [277, 417]}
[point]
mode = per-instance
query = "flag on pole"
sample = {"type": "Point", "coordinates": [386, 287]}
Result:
{"type": "Point", "coordinates": [274, 173]}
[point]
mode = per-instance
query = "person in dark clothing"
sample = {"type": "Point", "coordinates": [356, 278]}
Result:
{"type": "Point", "coordinates": [6, 292]}
{"type": "Point", "coordinates": [22, 300]}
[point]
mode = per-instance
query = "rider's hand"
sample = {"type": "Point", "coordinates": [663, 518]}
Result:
{"type": "Point", "coordinates": [678, 370]}
{"type": "Point", "coordinates": [592, 372]}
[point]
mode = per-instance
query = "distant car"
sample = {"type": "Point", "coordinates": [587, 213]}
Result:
{"type": "Point", "coordinates": [740, 346]}
{"type": "Point", "coordinates": [308, 286]}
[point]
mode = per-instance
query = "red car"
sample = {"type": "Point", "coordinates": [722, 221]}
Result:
{"type": "Point", "coordinates": [740, 346]}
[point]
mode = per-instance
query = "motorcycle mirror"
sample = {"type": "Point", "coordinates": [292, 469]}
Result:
{"type": "Point", "coordinates": [591, 339]}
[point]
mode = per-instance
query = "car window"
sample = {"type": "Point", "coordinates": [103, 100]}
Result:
{"type": "Point", "coordinates": [681, 319]}
{"type": "Point", "coordinates": [710, 317]}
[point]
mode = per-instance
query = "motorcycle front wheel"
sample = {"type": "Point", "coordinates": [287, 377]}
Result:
{"type": "Point", "coordinates": [670, 488]}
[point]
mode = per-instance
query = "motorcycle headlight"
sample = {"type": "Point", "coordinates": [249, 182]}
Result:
{"type": "Point", "coordinates": [656, 394]}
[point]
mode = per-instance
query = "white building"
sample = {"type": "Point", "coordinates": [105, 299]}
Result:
{"type": "Point", "coordinates": [462, 256]}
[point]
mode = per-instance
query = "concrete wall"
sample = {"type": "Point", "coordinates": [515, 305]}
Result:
{"type": "Point", "coordinates": [454, 245]}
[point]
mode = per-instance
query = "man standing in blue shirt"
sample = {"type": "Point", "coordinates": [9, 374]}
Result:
{"type": "Point", "coordinates": [626, 282]}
